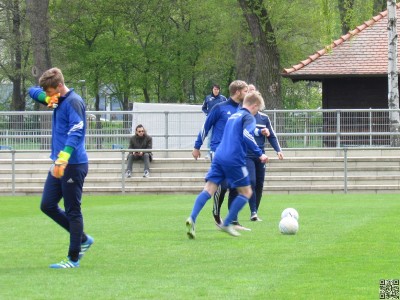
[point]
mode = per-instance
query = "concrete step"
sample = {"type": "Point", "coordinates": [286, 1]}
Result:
{"type": "Point", "coordinates": [282, 182]}
{"type": "Point", "coordinates": [326, 189]}
{"type": "Point", "coordinates": [300, 172]}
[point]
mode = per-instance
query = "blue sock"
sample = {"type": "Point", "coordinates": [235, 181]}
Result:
{"type": "Point", "coordinates": [199, 203]}
{"type": "Point", "coordinates": [237, 204]}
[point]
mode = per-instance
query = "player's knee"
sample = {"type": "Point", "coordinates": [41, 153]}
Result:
{"type": "Point", "coordinates": [46, 208]}
{"type": "Point", "coordinates": [250, 194]}
{"type": "Point", "coordinates": [247, 193]}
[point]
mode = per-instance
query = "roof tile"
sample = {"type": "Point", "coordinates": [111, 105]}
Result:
{"type": "Point", "coordinates": [362, 50]}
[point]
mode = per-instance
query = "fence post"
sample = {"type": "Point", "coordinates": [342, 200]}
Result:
{"type": "Point", "coordinates": [13, 171]}
{"type": "Point", "coordinates": [306, 120]}
{"type": "Point", "coordinates": [166, 131]}
{"type": "Point", "coordinates": [123, 171]}
{"type": "Point", "coordinates": [337, 129]}
{"type": "Point", "coordinates": [345, 170]}
{"type": "Point", "coordinates": [370, 126]}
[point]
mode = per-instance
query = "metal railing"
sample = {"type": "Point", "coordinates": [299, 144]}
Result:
{"type": "Point", "coordinates": [344, 155]}
{"type": "Point", "coordinates": [178, 129]}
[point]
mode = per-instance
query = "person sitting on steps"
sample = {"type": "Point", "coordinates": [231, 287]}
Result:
{"type": "Point", "coordinates": [141, 140]}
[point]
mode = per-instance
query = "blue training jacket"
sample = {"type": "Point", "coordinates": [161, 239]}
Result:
{"type": "Point", "coordinates": [263, 121]}
{"type": "Point", "coordinates": [238, 137]}
{"type": "Point", "coordinates": [210, 101]}
{"type": "Point", "coordinates": [216, 120]}
{"type": "Point", "coordinates": [68, 126]}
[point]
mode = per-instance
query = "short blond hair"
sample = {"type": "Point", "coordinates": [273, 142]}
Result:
{"type": "Point", "coordinates": [254, 98]}
{"type": "Point", "coordinates": [51, 78]}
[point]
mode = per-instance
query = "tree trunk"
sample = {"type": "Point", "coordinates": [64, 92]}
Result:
{"type": "Point", "coordinates": [246, 62]}
{"type": "Point", "coordinates": [18, 102]}
{"type": "Point", "coordinates": [393, 95]}
{"type": "Point", "coordinates": [267, 66]}
{"type": "Point", "coordinates": [37, 12]}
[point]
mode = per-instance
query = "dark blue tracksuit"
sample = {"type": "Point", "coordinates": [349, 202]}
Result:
{"type": "Point", "coordinates": [255, 167]}
{"type": "Point", "coordinates": [210, 101]}
{"type": "Point", "coordinates": [68, 129]}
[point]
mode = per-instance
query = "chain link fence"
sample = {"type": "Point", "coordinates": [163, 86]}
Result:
{"type": "Point", "coordinates": [179, 129]}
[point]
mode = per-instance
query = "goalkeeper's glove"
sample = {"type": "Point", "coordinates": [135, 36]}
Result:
{"type": "Point", "coordinates": [52, 102]}
{"type": "Point", "coordinates": [58, 168]}
{"type": "Point", "coordinates": [39, 95]}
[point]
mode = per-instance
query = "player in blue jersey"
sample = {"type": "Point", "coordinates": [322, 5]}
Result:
{"type": "Point", "coordinates": [213, 99]}
{"type": "Point", "coordinates": [255, 167]}
{"type": "Point", "coordinates": [216, 121]}
{"type": "Point", "coordinates": [210, 101]}
{"type": "Point", "coordinates": [67, 174]}
{"type": "Point", "coordinates": [229, 163]}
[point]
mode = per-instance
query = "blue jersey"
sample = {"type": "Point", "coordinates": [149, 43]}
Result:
{"type": "Point", "coordinates": [238, 137]}
{"type": "Point", "coordinates": [210, 101]}
{"type": "Point", "coordinates": [68, 126]}
{"type": "Point", "coordinates": [216, 120]}
{"type": "Point", "coordinates": [262, 121]}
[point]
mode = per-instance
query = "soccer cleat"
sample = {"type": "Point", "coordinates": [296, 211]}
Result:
{"type": "Point", "coordinates": [146, 174]}
{"type": "Point", "coordinates": [255, 218]}
{"type": "Point", "coordinates": [85, 246]}
{"type": "Point", "coordinates": [191, 233]}
{"type": "Point", "coordinates": [128, 174]}
{"type": "Point", "coordinates": [230, 230]}
{"type": "Point", "coordinates": [218, 221]}
{"type": "Point", "coordinates": [241, 227]}
{"type": "Point", "coordinates": [65, 264]}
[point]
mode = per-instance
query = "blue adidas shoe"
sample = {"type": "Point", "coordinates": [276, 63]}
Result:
{"type": "Point", "coordinates": [65, 264]}
{"type": "Point", "coordinates": [86, 245]}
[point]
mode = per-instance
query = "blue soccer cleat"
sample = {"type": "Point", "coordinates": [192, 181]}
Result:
{"type": "Point", "coordinates": [85, 246]}
{"type": "Point", "coordinates": [65, 264]}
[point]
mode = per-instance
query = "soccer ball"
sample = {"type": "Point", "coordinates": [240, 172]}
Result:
{"type": "Point", "coordinates": [291, 212]}
{"type": "Point", "coordinates": [288, 225]}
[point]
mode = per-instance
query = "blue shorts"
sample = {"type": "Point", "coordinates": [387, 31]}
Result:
{"type": "Point", "coordinates": [237, 176]}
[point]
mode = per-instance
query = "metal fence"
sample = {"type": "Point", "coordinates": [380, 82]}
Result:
{"type": "Point", "coordinates": [178, 129]}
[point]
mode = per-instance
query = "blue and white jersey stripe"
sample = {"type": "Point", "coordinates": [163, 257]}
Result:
{"type": "Point", "coordinates": [239, 128]}
{"type": "Point", "coordinates": [216, 121]}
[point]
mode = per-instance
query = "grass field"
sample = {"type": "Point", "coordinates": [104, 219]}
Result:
{"type": "Point", "coordinates": [345, 245]}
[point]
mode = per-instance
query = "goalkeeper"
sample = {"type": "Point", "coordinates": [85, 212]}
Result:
{"type": "Point", "coordinates": [67, 174]}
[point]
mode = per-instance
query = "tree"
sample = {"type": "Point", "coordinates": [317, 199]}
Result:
{"type": "Point", "coordinates": [267, 66]}
{"type": "Point", "coordinates": [393, 95]}
{"type": "Point", "coordinates": [379, 6]}
{"type": "Point", "coordinates": [37, 13]}
{"type": "Point", "coordinates": [14, 53]}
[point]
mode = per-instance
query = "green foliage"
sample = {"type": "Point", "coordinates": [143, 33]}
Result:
{"type": "Point", "coordinates": [361, 12]}
{"type": "Point", "coordinates": [345, 244]}
{"type": "Point", "coordinates": [172, 50]}
{"type": "Point", "coordinates": [301, 95]}
{"type": "Point", "coordinates": [156, 51]}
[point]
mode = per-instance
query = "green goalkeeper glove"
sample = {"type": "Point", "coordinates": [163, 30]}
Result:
{"type": "Point", "coordinates": [58, 168]}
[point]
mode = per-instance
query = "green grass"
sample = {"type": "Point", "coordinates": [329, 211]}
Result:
{"type": "Point", "coordinates": [345, 245]}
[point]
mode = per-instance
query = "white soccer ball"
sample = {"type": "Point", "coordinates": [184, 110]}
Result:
{"type": "Point", "coordinates": [288, 225]}
{"type": "Point", "coordinates": [291, 212]}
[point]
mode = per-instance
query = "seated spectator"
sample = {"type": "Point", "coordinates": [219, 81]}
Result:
{"type": "Point", "coordinates": [140, 141]}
